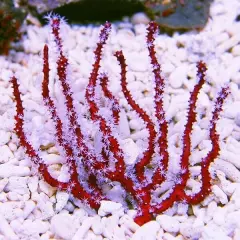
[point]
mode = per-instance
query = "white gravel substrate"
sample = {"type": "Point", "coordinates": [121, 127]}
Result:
{"type": "Point", "coordinates": [31, 209]}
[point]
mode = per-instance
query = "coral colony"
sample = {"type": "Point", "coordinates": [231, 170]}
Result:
{"type": "Point", "coordinates": [89, 168]}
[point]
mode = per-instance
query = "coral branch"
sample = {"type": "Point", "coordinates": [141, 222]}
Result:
{"type": "Point", "coordinates": [89, 167]}
{"type": "Point", "coordinates": [212, 155]}
{"type": "Point", "coordinates": [147, 154]}
{"type": "Point", "coordinates": [114, 103]}
{"type": "Point", "coordinates": [162, 125]}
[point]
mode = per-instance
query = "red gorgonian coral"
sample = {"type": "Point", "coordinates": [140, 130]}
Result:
{"type": "Point", "coordinates": [89, 168]}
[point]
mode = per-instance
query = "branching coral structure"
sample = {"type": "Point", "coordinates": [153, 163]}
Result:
{"type": "Point", "coordinates": [88, 168]}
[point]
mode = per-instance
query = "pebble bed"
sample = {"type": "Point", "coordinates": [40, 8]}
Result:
{"type": "Point", "coordinates": [31, 209]}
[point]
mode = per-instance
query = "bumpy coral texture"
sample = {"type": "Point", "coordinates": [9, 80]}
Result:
{"type": "Point", "coordinates": [89, 168]}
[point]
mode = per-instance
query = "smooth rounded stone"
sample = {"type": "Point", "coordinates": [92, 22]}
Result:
{"type": "Point", "coordinates": [111, 228]}
{"type": "Point", "coordinates": [97, 226]}
{"type": "Point", "coordinates": [188, 232]}
{"type": "Point", "coordinates": [126, 39]}
{"type": "Point", "coordinates": [18, 185]}
{"type": "Point", "coordinates": [168, 67]}
{"type": "Point", "coordinates": [64, 175]}
{"type": "Point", "coordinates": [131, 151]}
{"type": "Point", "coordinates": [117, 194]}
{"type": "Point", "coordinates": [5, 74]}
{"type": "Point", "coordinates": [140, 18]}
{"type": "Point", "coordinates": [5, 154]}
{"type": "Point", "coordinates": [38, 122]}
{"type": "Point", "coordinates": [232, 219]}
{"type": "Point", "coordinates": [90, 235]}
{"type": "Point", "coordinates": [108, 207]}
{"type": "Point", "coordinates": [6, 230]}
{"type": "Point", "coordinates": [62, 199]}
{"type": "Point", "coordinates": [53, 159]}
{"type": "Point", "coordinates": [128, 222]}
{"type": "Point", "coordinates": [168, 236]}
{"type": "Point", "coordinates": [212, 207]}
{"type": "Point", "coordinates": [214, 232]}
{"type": "Point", "coordinates": [46, 188]}
{"type": "Point", "coordinates": [3, 197]}
{"type": "Point", "coordinates": [63, 226]}
{"type": "Point", "coordinates": [236, 50]}
{"type": "Point", "coordinates": [3, 183]}
{"type": "Point", "coordinates": [230, 43]}
{"type": "Point", "coordinates": [28, 208]}
{"type": "Point", "coordinates": [237, 119]}
{"type": "Point", "coordinates": [235, 197]}
{"type": "Point", "coordinates": [147, 231]}
{"type": "Point", "coordinates": [231, 157]}
{"type": "Point", "coordinates": [13, 196]}
{"type": "Point", "coordinates": [169, 224]}
{"type": "Point", "coordinates": [12, 147]}
{"type": "Point", "coordinates": [11, 209]}
{"type": "Point", "coordinates": [124, 129]}
{"type": "Point", "coordinates": [79, 215]}
{"type": "Point", "coordinates": [46, 235]}
{"type": "Point", "coordinates": [138, 62]}
{"type": "Point", "coordinates": [229, 169]}
{"type": "Point", "coordinates": [32, 229]}
{"type": "Point", "coordinates": [46, 207]}
{"type": "Point", "coordinates": [132, 213]}
{"type": "Point", "coordinates": [4, 137]}
{"type": "Point", "coordinates": [140, 134]}
{"type": "Point", "coordinates": [33, 106]}
{"type": "Point", "coordinates": [177, 104]}
{"type": "Point", "coordinates": [197, 156]}
{"type": "Point", "coordinates": [182, 209]}
{"type": "Point", "coordinates": [16, 225]}
{"type": "Point", "coordinates": [219, 216]}
{"type": "Point", "coordinates": [134, 124]}
{"type": "Point", "coordinates": [69, 207]}
{"type": "Point", "coordinates": [83, 229]}
{"type": "Point", "coordinates": [232, 110]}
{"type": "Point", "coordinates": [8, 170]}
{"type": "Point", "coordinates": [198, 135]}
{"type": "Point", "coordinates": [177, 77]}
{"type": "Point", "coordinates": [33, 183]}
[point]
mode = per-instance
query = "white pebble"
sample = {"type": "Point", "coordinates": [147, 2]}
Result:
{"type": "Point", "coordinates": [63, 226]}
{"type": "Point", "coordinates": [28, 208]}
{"type": "Point", "coordinates": [46, 208]}
{"type": "Point", "coordinates": [108, 207]}
{"type": "Point", "coordinates": [6, 229]}
{"type": "Point", "coordinates": [3, 183]}
{"type": "Point", "coordinates": [18, 185]}
{"type": "Point", "coordinates": [140, 18]}
{"type": "Point", "coordinates": [131, 151]}
{"type": "Point", "coordinates": [231, 172]}
{"type": "Point", "coordinates": [53, 159]}
{"type": "Point", "coordinates": [169, 224]}
{"type": "Point", "coordinates": [33, 184]}
{"type": "Point", "coordinates": [232, 110]}
{"type": "Point", "coordinates": [4, 137]}
{"type": "Point", "coordinates": [237, 119]}
{"type": "Point", "coordinates": [97, 226]}
{"type": "Point", "coordinates": [7, 170]}
{"type": "Point", "coordinates": [46, 188]}
{"type": "Point", "coordinates": [11, 209]}
{"type": "Point", "coordinates": [124, 129]}
{"type": "Point", "coordinates": [62, 199]}
{"type": "Point", "coordinates": [5, 154]}
{"type": "Point", "coordinates": [83, 229]}
{"type": "Point", "coordinates": [177, 77]}
{"type": "Point", "coordinates": [147, 231]}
